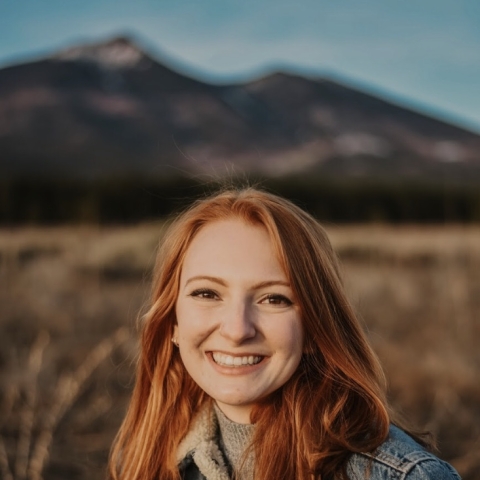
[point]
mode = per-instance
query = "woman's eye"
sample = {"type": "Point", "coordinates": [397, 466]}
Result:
{"type": "Point", "coordinates": [276, 299]}
{"type": "Point", "coordinates": [204, 293]}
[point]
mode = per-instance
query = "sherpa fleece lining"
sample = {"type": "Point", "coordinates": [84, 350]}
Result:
{"type": "Point", "coordinates": [201, 442]}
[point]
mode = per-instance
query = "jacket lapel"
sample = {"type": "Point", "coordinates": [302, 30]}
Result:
{"type": "Point", "coordinates": [201, 442]}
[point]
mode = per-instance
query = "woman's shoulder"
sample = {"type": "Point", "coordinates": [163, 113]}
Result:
{"type": "Point", "coordinates": [399, 457]}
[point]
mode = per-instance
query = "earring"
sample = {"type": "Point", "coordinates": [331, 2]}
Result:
{"type": "Point", "coordinates": [175, 342]}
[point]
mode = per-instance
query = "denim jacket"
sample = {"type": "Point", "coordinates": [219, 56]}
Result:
{"type": "Point", "coordinates": [398, 458]}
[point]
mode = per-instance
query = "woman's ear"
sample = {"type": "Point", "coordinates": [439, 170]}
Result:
{"type": "Point", "coordinates": [175, 335]}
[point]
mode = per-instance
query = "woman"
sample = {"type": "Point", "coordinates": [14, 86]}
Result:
{"type": "Point", "coordinates": [253, 364]}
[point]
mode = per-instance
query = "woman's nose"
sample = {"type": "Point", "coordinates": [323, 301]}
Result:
{"type": "Point", "coordinates": [237, 323]}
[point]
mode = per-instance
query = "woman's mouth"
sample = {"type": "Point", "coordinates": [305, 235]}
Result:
{"type": "Point", "coordinates": [230, 361]}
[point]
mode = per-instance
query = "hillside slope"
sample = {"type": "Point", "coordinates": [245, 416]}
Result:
{"type": "Point", "coordinates": [108, 109]}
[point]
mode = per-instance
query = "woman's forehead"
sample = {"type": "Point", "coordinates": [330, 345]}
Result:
{"type": "Point", "coordinates": [227, 246]}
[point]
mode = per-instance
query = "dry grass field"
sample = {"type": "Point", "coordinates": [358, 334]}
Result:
{"type": "Point", "coordinates": [70, 297]}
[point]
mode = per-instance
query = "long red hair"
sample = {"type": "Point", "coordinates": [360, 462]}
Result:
{"type": "Point", "coordinates": [333, 405]}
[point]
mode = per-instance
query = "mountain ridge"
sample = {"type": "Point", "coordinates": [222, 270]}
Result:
{"type": "Point", "coordinates": [110, 108]}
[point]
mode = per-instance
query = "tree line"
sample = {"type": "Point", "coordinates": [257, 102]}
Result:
{"type": "Point", "coordinates": [131, 200]}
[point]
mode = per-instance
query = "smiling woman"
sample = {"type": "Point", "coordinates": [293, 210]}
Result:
{"type": "Point", "coordinates": [238, 323]}
{"type": "Point", "coordinates": [253, 364]}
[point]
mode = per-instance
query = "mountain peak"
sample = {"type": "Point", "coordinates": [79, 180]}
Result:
{"type": "Point", "coordinates": [117, 52]}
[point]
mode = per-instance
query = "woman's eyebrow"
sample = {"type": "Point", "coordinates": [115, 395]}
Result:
{"type": "Point", "coordinates": [206, 277]}
{"type": "Point", "coordinates": [271, 283]}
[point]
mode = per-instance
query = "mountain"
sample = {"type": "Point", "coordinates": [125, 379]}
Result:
{"type": "Point", "coordinates": [110, 108]}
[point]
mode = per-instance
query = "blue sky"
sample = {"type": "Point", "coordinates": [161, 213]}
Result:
{"type": "Point", "coordinates": [423, 52]}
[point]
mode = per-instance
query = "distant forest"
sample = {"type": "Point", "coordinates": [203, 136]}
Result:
{"type": "Point", "coordinates": [132, 200]}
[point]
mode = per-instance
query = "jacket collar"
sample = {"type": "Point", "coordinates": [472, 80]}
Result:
{"type": "Point", "coordinates": [201, 442]}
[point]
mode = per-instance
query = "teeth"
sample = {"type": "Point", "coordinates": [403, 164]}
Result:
{"type": "Point", "coordinates": [229, 361]}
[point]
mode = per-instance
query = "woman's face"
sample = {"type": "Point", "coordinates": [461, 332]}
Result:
{"type": "Point", "coordinates": [238, 323]}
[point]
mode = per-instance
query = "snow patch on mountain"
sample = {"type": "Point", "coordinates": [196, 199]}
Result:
{"type": "Point", "coordinates": [114, 54]}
